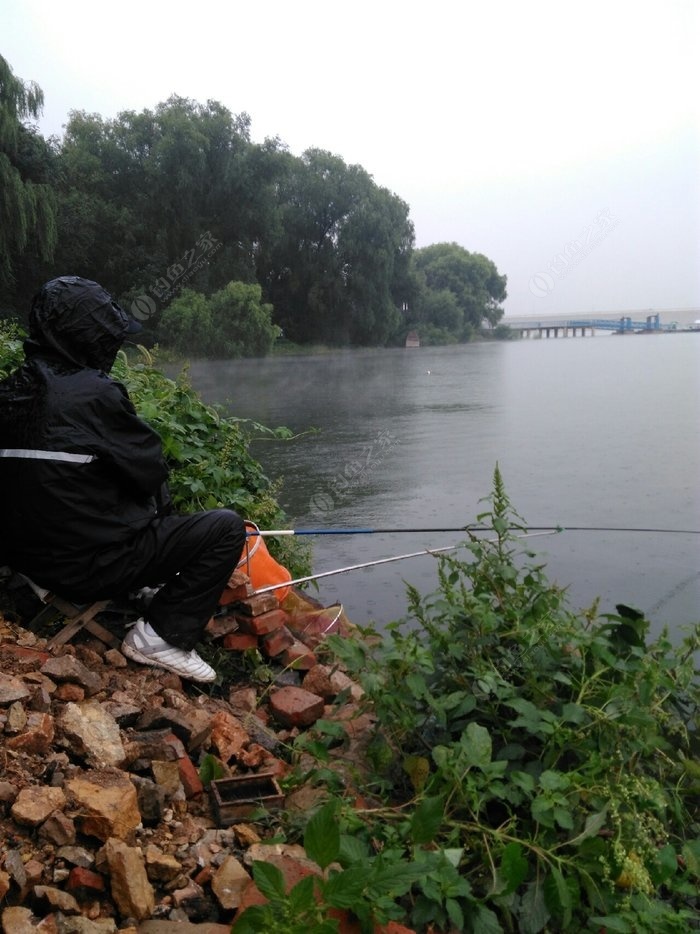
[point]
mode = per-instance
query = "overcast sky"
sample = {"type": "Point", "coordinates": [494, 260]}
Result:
{"type": "Point", "coordinates": [562, 140]}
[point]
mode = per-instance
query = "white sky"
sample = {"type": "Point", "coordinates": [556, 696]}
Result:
{"type": "Point", "coordinates": [507, 126]}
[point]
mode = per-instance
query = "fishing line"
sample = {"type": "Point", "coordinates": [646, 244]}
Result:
{"type": "Point", "coordinates": [472, 528]}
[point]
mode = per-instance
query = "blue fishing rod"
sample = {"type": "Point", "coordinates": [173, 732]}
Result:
{"type": "Point", "coordinates": [467, 529]}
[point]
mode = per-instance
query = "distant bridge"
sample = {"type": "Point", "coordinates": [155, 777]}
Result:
{"type": "Point", "coordinates": [552, 327]}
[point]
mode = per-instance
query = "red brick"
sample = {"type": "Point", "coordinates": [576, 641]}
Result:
{"type": "Point", "coordinates": [84, 879]}
{"type": "Point", "coordinates": [263, 623]}
{"type": "Point", "coordinates": [189, 777]}
{"type": "Point", "coordinates": [296, 707]}
{"type": "Point", "coordinates": [220, 626]}
{"type": "Point", "coordinates": [258, 604]}
{"type": "Point", "coordinates": [238, 588]}
{"type": "Point", "coordinates": [24, 654]}
{"type": "Point", "coordinates": [298, 656]}
{"type": "Point", "coordinates": [240, 641]}
{"type": "Point", "coordinates": [69, 692]}
{"type": "Point", "coordinates": [318, 681]}
{"type": "Point", "coordinates": [274, 643]}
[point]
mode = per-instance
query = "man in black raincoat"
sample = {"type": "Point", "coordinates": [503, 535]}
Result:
{"type": "Point", "coordinates": [83, 484]}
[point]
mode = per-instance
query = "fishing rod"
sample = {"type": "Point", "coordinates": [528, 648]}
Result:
{"type": "Point", "coordinates": [469, 528]}
{"type": "Point", "coordinates": [371, 564]}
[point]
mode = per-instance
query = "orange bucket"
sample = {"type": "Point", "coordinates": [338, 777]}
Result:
{"type": "Point", "coordinates": [262, 569]}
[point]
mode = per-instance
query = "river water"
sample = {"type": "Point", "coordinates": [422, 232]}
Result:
{"type": "Point", "coordinates": [587, 432]}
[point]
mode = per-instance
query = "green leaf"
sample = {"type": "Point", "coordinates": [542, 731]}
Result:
{"type": "Point", "coordinates": [553, 781]}
{"type": "Point", "coordinates": [394, 879]}
{"type": "Point", "coordinates": [426, 819]}
{"type": "Point", "coordinates": [558, 897]}
{"type": "Point", "coordinates": [534, 913]}
{"type": "Point", "coordinates": [564, 818]}
{"type": "Point", "coordinates": [301, 898]}
{"type": "Point", "coordinates": [594, 822]}
{"type": "Point", "coordinates": [477, 744]}
{"type": "Point", "coordinates": [269, 880]}
{"type": "Point", "coordinates": [454, 912]}
{"type": "Point", "coordinates": [253, 920]}
{"type": "Point", "coordinates": [612, 923]}
{"type": "Point", "coordinates": [344, 889]}
{"type": "Point", "coordinates": [352, 850]}
{"type": "Point", "coordinates": [485, 921]}
{"type": "Point", "coordinates": [210, 769]}
{"type": "Point", "coordinates": [513, 867]}
{"type": "Point", "coordinates": [322, 836]}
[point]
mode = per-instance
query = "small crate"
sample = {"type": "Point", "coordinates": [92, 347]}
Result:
{"type": "Point", "coordinates": [234, 798]}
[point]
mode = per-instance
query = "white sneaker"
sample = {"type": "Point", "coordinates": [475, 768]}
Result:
{"type": "Point", "coordinates": [142, 644]}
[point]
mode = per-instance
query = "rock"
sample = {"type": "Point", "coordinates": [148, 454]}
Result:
{"type": "Point", "coordinates": [78, 925]}
{"type": "Point", "coordinates": [76, 856]}
{"type": "Point", "coordinates": [227, 735]}
{"type": "Point", "coordinates": [56, 899]}
{"type": "Point", "coordinates": [151, 799]}
{"type": "Point", "coordinates": [58, 829]}
{"type": "Point", "coordinates": [191, 726]}
{"type": "Point", "coordinates": [85, 881]}
{"type": "Point", "coordinates": [8, 792]}
{"type": "Point", "coordinates": [20, 921]}
{"type": "Point", "coordinates": [106, 803]}
{"type": "Point", "coordinates": [296, 707]}
{"type": "Point", "coordinates": [131, 891]}
{"type": "Point", "coordinates": [15, 867]}
{"type": "Point", "coordinates": [4, 884]}
{"type": "Point", "coordinates": [67, 668]}
{"type": "Point", "coordinates": [167, 777]}
{"type": "Point", "coordinates": [318, 681]}
{"type": "Point", "coordinates": [124, 714]}
{"type": "Point", "coordinates": [36, 737]}
{"type": "Point", "coordinates": [34, 804]}
{"type": "Point", "coordinates": [242, 701]}
{"type": "Point", "coordinates": [228, 883]}
{"type": "Point", "coordinates": [153, 744]}
{"type": "Point", "coordinates": [115, 658]}
{"type": "Point", "coordinates": [88, 730]}
{"type": "Point", "coordinates": [182, 927]}
{"type": "Point", "coordinates": [11, 690]}
{"type": "Point", "coordinates": [16, 718]}
{"type": "Point", "coordinates": [160, 867]}
{"type": "Point", "coordinates": [69, 692]}
{"type": "Point", "coordinates": [341, 682]}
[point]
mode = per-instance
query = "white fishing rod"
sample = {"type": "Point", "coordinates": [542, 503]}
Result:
{"type": "Point", "coordinates": [371, 564]}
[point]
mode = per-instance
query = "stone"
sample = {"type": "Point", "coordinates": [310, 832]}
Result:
{"type": "Point", "coordinates": [190, 725]}
{"type": "Point", "coordinates": [56, 899]}
{"type": "Point", "coordinates": [18, 921]}
{"type": "Point", "coordinates": [227, 735]}
{"type": "Point", "coordinates": [78, 925]}
{"type": "Point", "coordinates": [12, 689]}
{"type": "Point", "coordinates": [8, 792]}
{"type": "Point", "coordinates": [242, 700]}
{"type": "Point", "coordinates": [160, 866]}
{"type": "Point", "coordinates": [4, 884]}
{"type": "Point", "coordinates": [69, 692]}
{"type": "Point", "coordinates": [89, 731]}
{"type": "Point", "coordinates": [341, 682]}
{"type": "Point", "coordinates": [131, 891]}
{"type": "Point", "coordinates": [106, 803]}
{"type": "Point", "coordinates": [36, 737]}
{"type": "Point", "coordinates": [182, 927]}
{"type": "Point", "coordinates": [115, 658]}
{"type": "Point", "coordinates": [76, 856]}
{"type": "Point", "coordinates": [293, 706]}
{"type": "Point", "coordinates": [167, 776]}
{"type": "Point", "coordinates": [16, 718]}
{"type": "Point", "coordinates": [58, 829]}
{"type": "Point", "coordinates": [34, 804]}
{"type": "Point", "coordinates": [67, 668]}
{"type": "Point", "coordinates": [151, 799]}
{"type": "Point", "coordinates": [153, 744]}
{"type": "Point", "coordinates": [220, 626]}
{"type": "Point", "coordinates": [318, 681]}
{"type": "Point", "coordinates": [123, 714]}
{"type": "Point", "coordinates": [228, 883]}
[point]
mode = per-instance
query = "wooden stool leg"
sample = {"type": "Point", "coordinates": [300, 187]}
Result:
{"type": "Point", "coordinates": [86, 618]}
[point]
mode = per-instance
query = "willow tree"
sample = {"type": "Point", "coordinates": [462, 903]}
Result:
{"type": "Point", "coordinates": [28, 204]}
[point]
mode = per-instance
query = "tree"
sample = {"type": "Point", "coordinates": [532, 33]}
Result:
{"type": "Point", "coordinates": [471, 278]}
{"type": "Point", "coordinates": [27, 206]}
{"type": "Point", "coordinates": [234, 322]}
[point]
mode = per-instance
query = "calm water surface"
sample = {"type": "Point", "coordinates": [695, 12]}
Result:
{"type": "Point", "coordinates": [598, 431]}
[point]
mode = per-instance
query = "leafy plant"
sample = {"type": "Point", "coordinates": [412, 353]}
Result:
{"type": "Point", "coordinates": [541, 765]}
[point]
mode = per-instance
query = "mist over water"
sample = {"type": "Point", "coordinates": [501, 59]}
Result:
{"type": "Point", "coordinates": [589, 431]}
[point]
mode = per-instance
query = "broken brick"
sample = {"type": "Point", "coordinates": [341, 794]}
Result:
{"type": "Point", "coordinates": [274, 643]}
{"type": "Point", "coordinates": [299, 657]}
{"type": "Point", "coordinates": [296, 707]}
{"type": "Point", "coordinates": [240, 641]}
{"type": "Point", "coordinates": [263, 623]}
{"type": "Point", "coordinates": [189, 776]}
{"type": "Point", "coordinates": [258, 604]}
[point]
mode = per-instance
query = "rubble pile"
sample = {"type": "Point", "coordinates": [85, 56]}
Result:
{"type": "Point", "coordinates": [106, 823]}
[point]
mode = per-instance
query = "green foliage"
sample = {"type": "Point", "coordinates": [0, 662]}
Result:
{"type": "Point", "coordinates": [234, 322]}
{"type": "Point", "coordinates": [11, 354]}
{"type": "Point", "coordinates": [540, 766]}
{"type": "Point", "coordinates": [457, 291]}
{"type": "Point", "coordinates": [28, 203]}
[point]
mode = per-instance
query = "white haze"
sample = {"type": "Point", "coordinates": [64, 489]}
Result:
{"type": "Point", "coordinates": [506, 126]}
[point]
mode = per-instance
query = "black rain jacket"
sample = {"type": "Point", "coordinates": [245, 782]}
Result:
{"type": "Point", "coordinates": [80, 473]}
